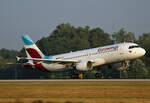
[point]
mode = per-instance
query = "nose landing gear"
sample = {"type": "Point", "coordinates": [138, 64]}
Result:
{"type": "Point", "coordinates": [125, 65]}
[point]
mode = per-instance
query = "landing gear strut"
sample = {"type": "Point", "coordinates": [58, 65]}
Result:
{"type": "Point", "coordinates": [125, 65]}
{"type": "Point", "coordinates": [76, 74]}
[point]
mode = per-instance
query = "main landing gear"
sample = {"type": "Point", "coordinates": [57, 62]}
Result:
{"type": "Point", "coordinates": [125, 65]}
{"type": "Point", "coordinates": [76, 74]}
{"type": "Point", "coordinates": [98, 75]}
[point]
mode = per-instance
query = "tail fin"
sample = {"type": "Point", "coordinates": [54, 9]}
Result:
{"type": "Point", "coordinates": [31, 49]}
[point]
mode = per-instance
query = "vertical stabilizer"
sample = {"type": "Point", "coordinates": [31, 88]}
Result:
{"type": "Point", "coordinates": [31, 49]}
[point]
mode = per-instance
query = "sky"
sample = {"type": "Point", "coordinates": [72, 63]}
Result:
{"type": "Point", "coordinates": [39, 18]}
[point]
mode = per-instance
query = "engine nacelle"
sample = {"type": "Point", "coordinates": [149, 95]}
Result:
{"type": "Point", "coordinates": [84, 65]}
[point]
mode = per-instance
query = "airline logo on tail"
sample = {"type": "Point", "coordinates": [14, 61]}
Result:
{"type": "Point", "coordinates": [31, 49]}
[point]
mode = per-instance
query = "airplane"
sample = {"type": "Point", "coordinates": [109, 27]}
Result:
{"type": "Point", "coordinates": [83, 60]}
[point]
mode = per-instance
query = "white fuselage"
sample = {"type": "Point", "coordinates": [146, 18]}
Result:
{"type": "Point", "coordinates": [100, 55]}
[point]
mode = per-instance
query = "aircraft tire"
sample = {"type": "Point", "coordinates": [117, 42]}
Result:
{"type": "Point", "coordinates": [98, 75]}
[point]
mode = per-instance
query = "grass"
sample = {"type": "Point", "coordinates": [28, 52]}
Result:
{"type": "Point", "coordinates": [75, 92]}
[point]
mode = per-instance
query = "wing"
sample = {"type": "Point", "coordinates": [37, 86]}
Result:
{"type": "Point", "coordinates": [47, 60]}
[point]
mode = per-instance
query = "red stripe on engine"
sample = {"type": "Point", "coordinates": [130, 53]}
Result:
{"type": "Point", "coordinates": [33, 53]}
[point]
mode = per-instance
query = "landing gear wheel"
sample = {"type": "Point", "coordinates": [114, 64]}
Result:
{"type": "Point", "coordinates": [98, 76]}
{"type": "Point", "coordinates": [75, 76]}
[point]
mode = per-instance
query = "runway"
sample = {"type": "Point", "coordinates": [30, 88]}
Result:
{"type": "Point", "coordinates": [77, 80]}
{"type": "Point", "coordinates": [75, 91]}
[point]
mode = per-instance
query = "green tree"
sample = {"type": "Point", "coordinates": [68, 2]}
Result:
{"type": "Point", "coordinates": [97, 37]}
{"type": "Point", "coordinates": [137, 70]}
{"type": "Point", "coordinates": [123, 36]}
{"type": "Point", "coordinates": [8, 54]}
{"type": "Point", "coordinates": [144, 41]}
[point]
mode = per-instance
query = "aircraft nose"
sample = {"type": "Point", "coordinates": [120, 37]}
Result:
{"type": "Point", "coordinates": [142, 51]}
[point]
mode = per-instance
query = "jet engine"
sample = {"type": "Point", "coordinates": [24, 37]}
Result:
{"type": "Point", "coordinates": [84, 65]}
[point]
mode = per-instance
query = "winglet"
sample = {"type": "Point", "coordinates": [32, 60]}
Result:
{"type": "Point", "coordinates": [27, 40]}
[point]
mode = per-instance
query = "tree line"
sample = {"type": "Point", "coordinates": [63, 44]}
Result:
{"type": "Point", "coordinates": [66, 38]}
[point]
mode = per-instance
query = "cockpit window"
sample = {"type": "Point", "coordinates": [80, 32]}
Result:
{"type": "Point", "coordinates": [134, 46]}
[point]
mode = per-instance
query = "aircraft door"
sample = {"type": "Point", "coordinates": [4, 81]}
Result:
{"type": "Point", "coordinates": [123, 52]}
